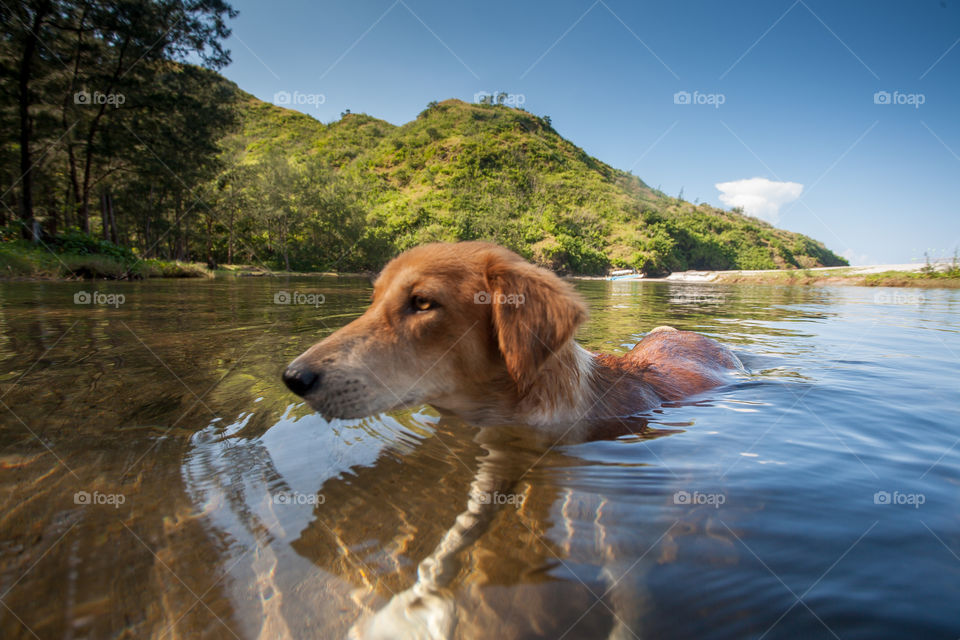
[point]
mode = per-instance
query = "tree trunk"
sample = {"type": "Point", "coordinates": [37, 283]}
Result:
{"type": "Point", "coordinates": [104, 223]}
{"type": "Point", "coordinates": [78, 219]}
{"type": "Point", "coordinates": [26, 124]}
{"type": "Point", "coordinates": [230, 243]}
{"type": "Point", "coordinates": [112, 213]}
{"type": "Point", "coordinates": [210, 262]}
{"type": "Point", "coordinates": [85, 187]}
{"type": "Point", "coordinates": [108, 221]}
{"type": "Point", "coordinates": [80, 215]}
{"type": "Point", "coordinates": [179, 237]}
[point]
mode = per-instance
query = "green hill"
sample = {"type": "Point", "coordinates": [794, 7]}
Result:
{"type": "Point", "coordinates": [466, 171]}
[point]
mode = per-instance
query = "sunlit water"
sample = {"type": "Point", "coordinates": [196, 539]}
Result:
{"type": "Point", "coordinates": [158, 480]}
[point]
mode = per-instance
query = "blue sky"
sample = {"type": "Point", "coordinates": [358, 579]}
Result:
{"type": "Point", "coordinates": [781, 90]}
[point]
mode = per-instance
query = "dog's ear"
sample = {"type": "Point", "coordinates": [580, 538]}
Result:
{"type": "Point", "coordinates": [534, 313]}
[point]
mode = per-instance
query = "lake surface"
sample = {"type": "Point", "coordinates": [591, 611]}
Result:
{"type": "Point", "coordinates": [158, 481]}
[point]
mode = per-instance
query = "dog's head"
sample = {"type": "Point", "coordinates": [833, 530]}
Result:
{"type": "Point", "coordinates": [457, 326]}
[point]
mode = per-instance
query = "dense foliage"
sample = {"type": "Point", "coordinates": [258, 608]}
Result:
{"type": "Point", "coordinates": [180, 164]}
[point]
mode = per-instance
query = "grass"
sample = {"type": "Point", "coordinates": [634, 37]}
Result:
{"type": "Point", "coordinates": [22, 259]}
{"type": "Point", "coordinates": [929, 277]}
{"type": "Point", "coordinates": [941, 279]}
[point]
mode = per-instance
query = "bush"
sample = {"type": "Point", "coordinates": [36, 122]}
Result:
{"type": "Point", "coordinates": [172, 269]}
{"type": "Point", "coordinates": [79, 243]}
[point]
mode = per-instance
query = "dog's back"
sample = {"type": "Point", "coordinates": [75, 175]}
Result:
{"type": "Point", "coordinates": [677, 364]}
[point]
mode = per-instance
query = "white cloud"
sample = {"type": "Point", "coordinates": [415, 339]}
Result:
{"type": "Point", "coordinates": [758, 196]}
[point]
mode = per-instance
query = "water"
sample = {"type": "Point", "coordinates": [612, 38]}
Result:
{"type": "Point", "coordinates": [158, 480]}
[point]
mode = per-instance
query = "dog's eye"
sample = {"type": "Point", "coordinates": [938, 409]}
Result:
{"type": "Point", "coordinates": [422, 304]}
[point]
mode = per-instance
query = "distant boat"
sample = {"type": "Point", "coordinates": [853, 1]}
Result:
{"type": "Point", "coordinates": [625, 274]}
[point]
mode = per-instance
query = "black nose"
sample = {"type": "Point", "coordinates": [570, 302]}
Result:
{"type": "Point", "coordinates": [301, 380]}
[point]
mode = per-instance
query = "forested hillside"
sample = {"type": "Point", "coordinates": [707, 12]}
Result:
{"type": "Point", "coordinates": [171, 160]}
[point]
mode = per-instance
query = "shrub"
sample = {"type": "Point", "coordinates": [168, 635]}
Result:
{"type": "Point", "coordinates": [77, 242]}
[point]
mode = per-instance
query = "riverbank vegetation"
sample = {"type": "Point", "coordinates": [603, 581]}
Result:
{"type": "Point", "coordinates": [78, 255]}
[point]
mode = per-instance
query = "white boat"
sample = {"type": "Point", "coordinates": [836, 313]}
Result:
{"type": "Point", "coordinates": [625, 274]}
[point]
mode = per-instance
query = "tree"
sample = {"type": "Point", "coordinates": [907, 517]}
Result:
{"type": "Point", "coordinates": [172, 159]}
{"type": "Point", "coordinates": [27, 22]}
{"type": "Point", "coordinates": [97, 59]}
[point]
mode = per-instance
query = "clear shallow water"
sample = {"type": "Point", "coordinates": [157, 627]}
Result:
{"type": "Point", "coordinates": [816, 498]}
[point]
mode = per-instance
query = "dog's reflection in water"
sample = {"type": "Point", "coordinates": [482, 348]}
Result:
{"type": "Point", "coordinates": [476, 537]}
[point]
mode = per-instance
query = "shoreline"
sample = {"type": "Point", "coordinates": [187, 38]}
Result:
{"type": "Point", "coordinates": [898, 279]}
{"type": "Point", "coordinates": [942, 276]}
{"type": "Point", "coordinates": [29, 264]}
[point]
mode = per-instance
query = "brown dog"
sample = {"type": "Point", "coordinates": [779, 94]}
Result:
{"type": "Point", "coordinates": [474, 330]}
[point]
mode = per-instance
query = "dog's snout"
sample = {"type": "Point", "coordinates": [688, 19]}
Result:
{"type": "Point", "coordinates": [301, 380]}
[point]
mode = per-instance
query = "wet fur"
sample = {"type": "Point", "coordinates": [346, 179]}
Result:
{"type": "Point", "coordinates": [496, 363]}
